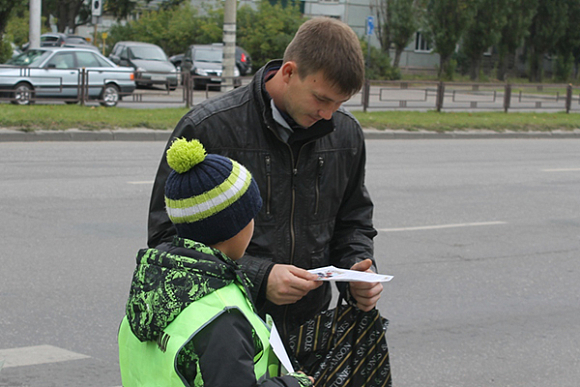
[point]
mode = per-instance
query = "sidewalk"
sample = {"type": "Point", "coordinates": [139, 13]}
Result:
{"type": "Point", "coordinates": [141, 134]}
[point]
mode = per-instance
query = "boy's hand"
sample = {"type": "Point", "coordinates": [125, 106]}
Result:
{"type": "Point", "coordinates": [366, 294]}
{"type": "Point", "coordinates": [288, 284]}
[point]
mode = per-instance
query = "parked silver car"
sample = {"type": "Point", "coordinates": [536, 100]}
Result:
{"type": "Point", "coordinates": [51, 72]}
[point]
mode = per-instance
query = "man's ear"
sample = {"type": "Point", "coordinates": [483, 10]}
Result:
{"type": "Point", "coordinates": [288, 70]}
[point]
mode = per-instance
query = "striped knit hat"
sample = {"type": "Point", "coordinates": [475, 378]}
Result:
{"type": "Point", "coordinates": [209, 198]}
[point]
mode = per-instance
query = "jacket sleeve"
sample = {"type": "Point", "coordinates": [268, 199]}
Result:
{"type": "Point", "coordinates": [352, 240]}
{"type": "Point", "coordinates": [226, 354]}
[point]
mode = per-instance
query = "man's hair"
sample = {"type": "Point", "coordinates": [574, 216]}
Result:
{"type": "Point", "coordinates": [327, 44]}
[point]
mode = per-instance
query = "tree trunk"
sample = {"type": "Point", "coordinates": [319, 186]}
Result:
{"type": "Point", "coordinates": [536, 66]}
{"type": "Point", "coordinates": [397, 59]}
{"type": "Point", "coordinates": [501, 67]}
{"type": "Point", "coordinates": [474, 69]}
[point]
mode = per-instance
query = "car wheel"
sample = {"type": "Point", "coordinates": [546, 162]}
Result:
{"type": "Point", "coordinates": [22, 94]}
{"type": "Point", "coordinates": [110, 96]}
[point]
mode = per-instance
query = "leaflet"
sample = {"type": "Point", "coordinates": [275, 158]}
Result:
{"type": "Point", "coordinates": [331, 273]}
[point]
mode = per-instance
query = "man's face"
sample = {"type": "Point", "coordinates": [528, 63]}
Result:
{"type": "Point", "coordinates": [311, 99]}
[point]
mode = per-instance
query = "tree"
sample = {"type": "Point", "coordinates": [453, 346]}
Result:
{"type": "Point", "coordinates": [446, 22]}
{"type": "Point", "coordinates": [406, 16]}
{"type": "Point", "coordinates": [6, 7]}
{"type": "Point", "coordinates": [568, 47]}
{"type": "Point", "coordinates": [173, 30]}
{"type": "Point", "coordinates": [265, 33]}
{"type": "Point", "coordinates": [519, 15]}
{"type": "Point", "coordinates": [68, 13]}
{"type": "Point", "coordinates": [483, 32]}
{"type": "Point", "coordinates": [547, 28]}
{"type": "Point", "coordinates": [383, 8]}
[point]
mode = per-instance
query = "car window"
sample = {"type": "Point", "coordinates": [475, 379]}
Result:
{"type": "Point", "coordinates": [87, 59]}
{"type": "Point", "coordinates": [102, 62]}
{"type": "Point", "coordinates": [76, 41]}
{"type": "Point", "coordinates": [201, 55]}
{"type": "Point", "coordinates": [48, 39]}
{"type": "Point", "coordinates": [125, 53]}
{"type": "Point", "coordinates": [30, 58]}
{"type": "Point", "coordinates": [62, 60]}
{"type": "Point", "coordinates": [147, 52]}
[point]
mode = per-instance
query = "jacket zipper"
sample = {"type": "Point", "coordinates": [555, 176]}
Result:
{"type": "Point", "coordinates": [318, 177]}
{"type": "Point", "coordinates": [268, 161]}
{"type": "Point", "coordinates": [292, 233]}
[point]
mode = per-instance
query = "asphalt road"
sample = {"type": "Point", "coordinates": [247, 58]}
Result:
{"type": "Point", "coordinates": [482, 237]}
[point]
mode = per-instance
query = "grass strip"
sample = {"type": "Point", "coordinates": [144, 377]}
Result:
{"type": "Point", "coordinates": [450, 121]}
{"type": "Point", "coordinates": [61, 117]}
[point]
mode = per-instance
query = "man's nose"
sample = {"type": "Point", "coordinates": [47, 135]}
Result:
{"type": "Point", "coordinates": [327, 111]}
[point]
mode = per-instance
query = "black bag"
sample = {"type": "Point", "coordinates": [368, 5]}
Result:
{"type": "Point", "coordinates": [343, 346]}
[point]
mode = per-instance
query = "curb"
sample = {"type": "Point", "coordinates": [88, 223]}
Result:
{"type": "Point", "coordinates": [374, 134]}
{"type": "Point", "coordinates": [140, 134]}
{"type": "Point", "coordinates": [9, 135]}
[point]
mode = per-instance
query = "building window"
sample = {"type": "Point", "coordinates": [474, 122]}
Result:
{"type": "Point", "coordinates": [422, 44]}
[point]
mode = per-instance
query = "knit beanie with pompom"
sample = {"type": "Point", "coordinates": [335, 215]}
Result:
{"type": "Point", "coordinates": [209, 198]}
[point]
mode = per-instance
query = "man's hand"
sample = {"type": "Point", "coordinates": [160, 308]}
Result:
{"type": "Point", "coordinates": [287, 284]}
{"type": "Point", "coordinates": [366, 294]}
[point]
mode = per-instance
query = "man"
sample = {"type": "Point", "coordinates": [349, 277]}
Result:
{"type": "Point", "coordinates": [308, 157]}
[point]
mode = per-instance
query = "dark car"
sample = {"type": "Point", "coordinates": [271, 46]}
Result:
{"type": "Point", "coordinates": [206, 60]}
{"type": "Point", "coordinates": [57, 39]}
{"type": "Point", "coordinates": [243, 61]}
{"type": "Point", "coordinates": [151, 65]}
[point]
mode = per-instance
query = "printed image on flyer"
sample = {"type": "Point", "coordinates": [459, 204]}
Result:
{"type": "Point", "coordinates": [331, 273]}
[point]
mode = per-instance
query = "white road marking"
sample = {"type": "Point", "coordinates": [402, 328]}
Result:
{"type": "Point", "coordinates": [561, 170]}
{"type": "Point", "coordinates": [437, 227]}
{"type": "Point", "coordinates": [140, 182]}
{"type": "Point", "coordinates": [40, 354]}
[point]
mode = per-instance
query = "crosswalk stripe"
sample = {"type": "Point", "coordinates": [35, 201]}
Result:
{"type": "Point", "coordinates": [40, 354]}
{"type": "Point", "coordinates": [441, 226]}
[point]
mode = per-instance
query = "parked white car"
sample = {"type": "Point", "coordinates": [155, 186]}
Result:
{"type": "Point", "coordinates": [49, 72]}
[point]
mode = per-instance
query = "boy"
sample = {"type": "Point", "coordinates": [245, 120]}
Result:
{"type": "Point", "coordinates": [189, 318]}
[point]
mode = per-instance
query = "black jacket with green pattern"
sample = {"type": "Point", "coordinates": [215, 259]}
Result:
{"type": "Point", "coordinates": [171, 277]}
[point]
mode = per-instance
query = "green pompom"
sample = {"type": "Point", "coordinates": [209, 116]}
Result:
{"type": "Point", "coordinates": [184, 155]}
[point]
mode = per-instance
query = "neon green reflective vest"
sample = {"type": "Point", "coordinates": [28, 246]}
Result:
{"type": "Point", "coordinates": [152, 363]}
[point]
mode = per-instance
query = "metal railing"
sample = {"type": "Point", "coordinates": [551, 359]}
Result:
{"type": "Point", "coordinates": [374, 96]}
{"type": "Point", "coordinates": [428, 95]}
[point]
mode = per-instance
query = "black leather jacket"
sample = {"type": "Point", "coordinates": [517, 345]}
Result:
{"type": "Point", "coordinates": [316, 211]}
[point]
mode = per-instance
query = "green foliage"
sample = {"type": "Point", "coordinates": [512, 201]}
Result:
{"type": "Point", "coordinates": [405, 21]}
{"type": "Point", "coordinates": [173, 30]}
{"type": "Point", "coordinates": [17, 28]}
{"type": "Point", "coordinates": [564, 67]}
{"type": "Point", "coordinates": [6, 8]}
{"type": "Point", "coordinates": [5, 50]}
{"type": "Point", "coordinates": [265, 33]}
{"type": "Point", "coordinates": [379, 67]}
{"type": "Point", "coordinates": [568, 46]}
{"type": "Point", "coordinates": [446, 21]}
{"type": "Point", "coordinates": [519, 15]}
{"type": "Point", "coordinates": [547, 28]}
{"type": "Point", "coordinates": [483, 32]}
